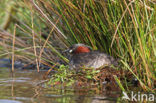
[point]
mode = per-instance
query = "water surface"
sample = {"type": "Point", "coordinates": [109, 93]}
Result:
{"type": "Point", "coordinates": [24, 86]}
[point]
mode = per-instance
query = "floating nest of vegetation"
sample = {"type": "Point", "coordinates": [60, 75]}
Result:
{"type": "Point", "coordinates": [103, 79]}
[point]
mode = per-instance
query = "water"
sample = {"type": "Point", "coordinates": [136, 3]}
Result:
{"type": "Point", "coordinates": [24, 86]}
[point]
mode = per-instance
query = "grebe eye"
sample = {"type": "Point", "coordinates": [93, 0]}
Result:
{"type": "Point", "coordinates": [70, 51]}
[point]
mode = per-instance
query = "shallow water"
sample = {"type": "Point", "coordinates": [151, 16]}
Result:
{"type": "Point", "coordinates": [22, 87]}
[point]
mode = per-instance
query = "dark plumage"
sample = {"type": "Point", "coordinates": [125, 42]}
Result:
{"type": "Point", "coordinates": [83, 56]}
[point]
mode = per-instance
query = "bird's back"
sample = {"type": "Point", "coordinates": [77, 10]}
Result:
{"type": "Point", "coordinates": [93, 59]}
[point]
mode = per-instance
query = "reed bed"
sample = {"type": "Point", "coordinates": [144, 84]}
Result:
{"type": "Point", "coordinates": [124, 29]}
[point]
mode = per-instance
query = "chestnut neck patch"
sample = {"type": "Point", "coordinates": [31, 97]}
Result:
{"type": "Point", "coordinates": [82, 49]}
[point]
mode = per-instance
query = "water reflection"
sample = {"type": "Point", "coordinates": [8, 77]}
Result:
{"type": "Point", "coordinates": [21, 87]}
{"type": "Point", "coordinates": [9, 101]}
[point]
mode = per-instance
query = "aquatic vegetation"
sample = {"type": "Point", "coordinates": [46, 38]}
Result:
{"type": "Point", "coordinates": [124, 29]}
